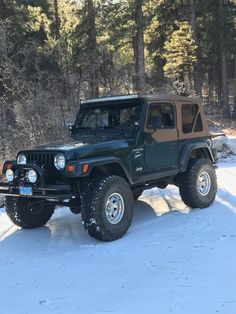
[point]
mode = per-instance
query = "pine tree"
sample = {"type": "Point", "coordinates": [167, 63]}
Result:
{"type": "Point", "coordinates": [180, 53]}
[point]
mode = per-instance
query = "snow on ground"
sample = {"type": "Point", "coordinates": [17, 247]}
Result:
{"type": "Point", "coordinates": [173, 260]}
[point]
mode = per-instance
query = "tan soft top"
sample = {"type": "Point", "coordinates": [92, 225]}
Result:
{"type": "Point", "coordinates": [170, 97]}
{"type": "Point", "coordinates": [154, 97]}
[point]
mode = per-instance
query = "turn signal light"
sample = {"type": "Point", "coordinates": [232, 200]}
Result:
{"type": "Point", "coordinates": [70, 168]}
{"type": "Point", "coordinates": [8, 165]}
{"type": "Point", "coordinates": [85, 168]}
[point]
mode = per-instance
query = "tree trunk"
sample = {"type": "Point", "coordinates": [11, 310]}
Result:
{"type": "Point", "coordinates": [191, 88]}
{"type": "Point", "coordinates": [2, 10]}
{"type": "Point", "coordinates": [56, 20]}
{"type": "Point", "coordinates": [197, 68]}
{"type": "Point", "coordinates": [138, 46]}
{"type": "Point", "coordinates": [217, 81]}
{"type": "Point", "coordinates": [92, 50]}
{"type": "Point", "coordinates": [210, 86]}
{"type": "Point", "coordinates": [223, 61]}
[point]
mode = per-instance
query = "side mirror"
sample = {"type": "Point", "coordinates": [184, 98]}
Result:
{"type": "Point", "coordinates": [137, 124]}
{"type": "Point", "coordinates": [70, 127]}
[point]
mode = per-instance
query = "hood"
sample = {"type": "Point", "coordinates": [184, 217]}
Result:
{"type": "Point", "coordinates": [84, 147]}
{"type": "Point", "coordinates": [63, 145]}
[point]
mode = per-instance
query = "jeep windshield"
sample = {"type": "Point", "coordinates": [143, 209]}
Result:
{"type": "Point", "coordinates": [117, 117]}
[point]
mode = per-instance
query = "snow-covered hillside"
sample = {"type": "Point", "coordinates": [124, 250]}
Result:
{"type": "Point", "coordinates": [171, 261]}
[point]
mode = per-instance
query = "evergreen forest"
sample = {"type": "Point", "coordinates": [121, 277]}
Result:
{"type": "Point", "coordinates": [54, 52]}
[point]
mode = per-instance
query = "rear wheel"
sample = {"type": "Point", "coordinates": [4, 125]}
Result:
{"type": "Point", "coordinates": [198, 185]}
{"type": "Point", "coordinates": [107, 208]}
{"type": "Point", "coordinates": [28, 213]}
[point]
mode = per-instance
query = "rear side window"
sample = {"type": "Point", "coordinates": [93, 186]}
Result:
{"type": "Point", "coordinates": [161, 116]}
{"type": "Point", "coordinates": [191, 118]}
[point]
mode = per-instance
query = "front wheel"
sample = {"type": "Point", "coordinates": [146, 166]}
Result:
{"type": "Point", "coordinates": [107, 208]}
{"type": "Point", "coordinates": [198, 185]}
{"type": "Point", "coordinates": [28, 213]}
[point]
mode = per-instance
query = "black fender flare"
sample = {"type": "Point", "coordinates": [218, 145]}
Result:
{"type": "Point", "coordinates": [101, 161]}
{"type": "Point", "coordinates": [187, 151]}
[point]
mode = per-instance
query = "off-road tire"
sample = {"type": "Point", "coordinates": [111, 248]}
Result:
{"type": "Point", "coordinates": [188, 184]}
{"type": "Point", "coordinates": [137, 193]}
{"type": "Point", "coordinates": [93, 210]}
{"type": "Point", "coordinates": [28, 213]}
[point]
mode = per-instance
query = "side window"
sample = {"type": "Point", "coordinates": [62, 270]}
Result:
{"type": "Point", "coordinates": [191, 118]}
{"type": "Point", "coordinates": [161, 116]}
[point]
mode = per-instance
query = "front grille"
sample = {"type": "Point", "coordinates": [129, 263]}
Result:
{"type": "Point", "coordinates": [40, 158]}
{"type": "Point", "coordinates": [44, 160]}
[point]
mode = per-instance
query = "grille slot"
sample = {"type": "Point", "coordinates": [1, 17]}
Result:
{"type": "Point", "coordinates": [45, 160]}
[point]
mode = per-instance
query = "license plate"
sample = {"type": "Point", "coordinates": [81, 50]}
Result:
{"type": "Point", "coordinates": [26, 190]}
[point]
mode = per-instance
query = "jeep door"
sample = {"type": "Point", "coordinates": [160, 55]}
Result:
{"type": "Point", "coordinates": [161, 137]}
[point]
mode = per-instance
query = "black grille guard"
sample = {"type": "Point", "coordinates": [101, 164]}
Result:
{"type": "Point", "coordinates": [41, 190]}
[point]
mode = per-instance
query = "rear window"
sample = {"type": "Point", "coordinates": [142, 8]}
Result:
{"type": "Point", "coordinates": [191, 118]}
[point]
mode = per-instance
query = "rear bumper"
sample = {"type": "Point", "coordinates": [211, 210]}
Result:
{"type": "Point", "coordinates": [48, 192]}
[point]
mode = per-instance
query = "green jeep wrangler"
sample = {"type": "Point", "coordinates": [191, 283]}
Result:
{"type": "Point", "coordinates": [119, 147]}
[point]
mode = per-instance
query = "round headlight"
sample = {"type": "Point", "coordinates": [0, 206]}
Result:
{"type": "Point", "coordinates": [9, 175]}
{"type": "Point", "coordinates": [60, 161]}
{"type": "Point", "coordinates": [21, 159]}
{"type": "Point", "coordinates": [32, 176]}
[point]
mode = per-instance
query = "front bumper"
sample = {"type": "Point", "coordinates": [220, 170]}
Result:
{"type": "Point", "coordinates": [49, 192]}
{"type": "Point", "coordinates": [40, 189]}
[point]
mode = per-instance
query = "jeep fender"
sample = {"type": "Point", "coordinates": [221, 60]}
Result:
{"type": "Point", "coordinates": [189, 149]}
{"type": "Point", "coordinates": [99, 162]}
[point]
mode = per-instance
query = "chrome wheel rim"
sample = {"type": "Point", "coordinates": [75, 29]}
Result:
{"type": "Point", "coordinates": [115, 208]}
{"type": "Point", "coordinates": [204, 183]}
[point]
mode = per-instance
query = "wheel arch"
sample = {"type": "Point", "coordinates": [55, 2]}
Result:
{"type": "Point", "coordinates": [108, 166]}
{"type": "Point", "coordinates": [112, 168]}
{"type": "Point", "coordinates": [195, 151]}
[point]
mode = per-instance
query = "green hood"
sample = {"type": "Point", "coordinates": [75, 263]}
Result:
{"type": "Point", "coordinates": [85, 147]}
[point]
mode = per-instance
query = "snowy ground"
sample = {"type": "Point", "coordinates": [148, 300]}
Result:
{"type": "Point", "coordinates": [171, 261]}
